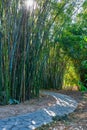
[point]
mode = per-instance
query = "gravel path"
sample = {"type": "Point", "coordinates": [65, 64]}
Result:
{"type": "Point", "coordinates": [64, 105]}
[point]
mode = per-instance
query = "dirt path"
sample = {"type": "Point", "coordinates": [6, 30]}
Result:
{"type": "Point", "coordinates": [76, 120]}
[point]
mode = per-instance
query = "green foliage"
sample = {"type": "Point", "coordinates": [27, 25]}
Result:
{"type": "Point", "coordinates": [74, 43]}
{"type": "Point", "coordinates": [71, 75]}
{"type": "Point", "coordinates": [82, 87]}
{"type": "Point", "coordinates": [84, 64]}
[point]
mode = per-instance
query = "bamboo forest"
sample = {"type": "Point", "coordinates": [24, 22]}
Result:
{"type": "Point", "coordinates": [43, 46]}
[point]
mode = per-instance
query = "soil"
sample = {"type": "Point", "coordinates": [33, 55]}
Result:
{"type": "Point", "coordinates": [26, 107]}
{"type": "Point", "coordinates": [76, 120]}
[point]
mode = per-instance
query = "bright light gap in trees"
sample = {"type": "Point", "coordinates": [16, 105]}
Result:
{"type": "Point", "coordinates": [30, 4]}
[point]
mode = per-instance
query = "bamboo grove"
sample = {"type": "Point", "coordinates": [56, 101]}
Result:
{"type": "Point", "coordinates": [30, 54]}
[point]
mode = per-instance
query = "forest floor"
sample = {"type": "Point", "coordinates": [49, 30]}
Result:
{"type": "Point", "coordinates": [74, 121]}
